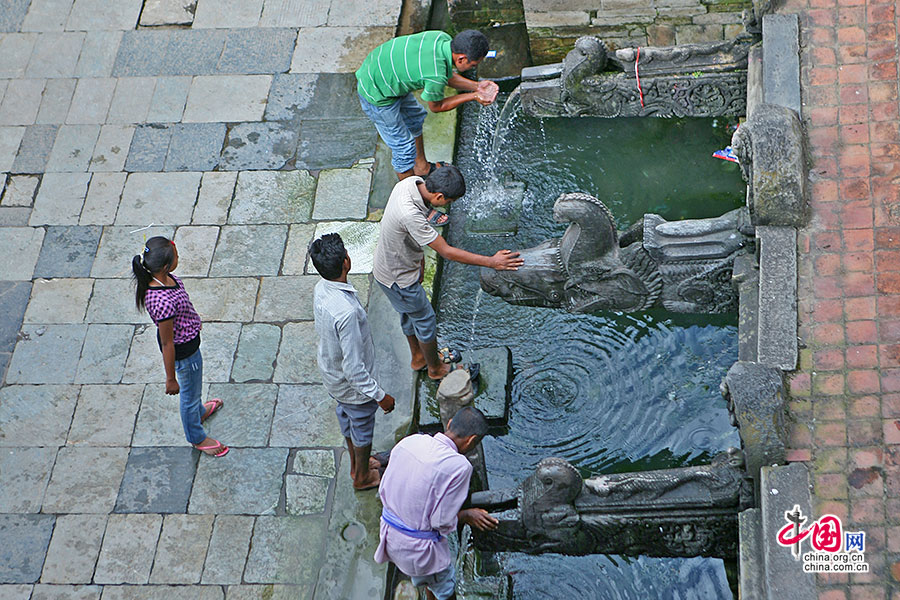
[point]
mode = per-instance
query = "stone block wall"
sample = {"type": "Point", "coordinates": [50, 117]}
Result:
{"type": "Point", "coordinates": [554, 25]}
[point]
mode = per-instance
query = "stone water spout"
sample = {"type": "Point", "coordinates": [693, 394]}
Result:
{"type": "Point", "coordinates": [689, 511]}
{"type": "Point", "coordinates": [683, 266]}
{"type": "Point", "coordinates": [691, 80]}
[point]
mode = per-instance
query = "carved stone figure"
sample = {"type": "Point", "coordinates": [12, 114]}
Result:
{"type": "Point", "coordinates": [697, 80]}
{"type": "Point", "coordinates": [688, 511]}
{"type": "Point", "coordinates": [683, 266]}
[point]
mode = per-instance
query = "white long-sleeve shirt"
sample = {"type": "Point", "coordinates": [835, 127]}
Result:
{"type": "Point", "coordinates": [346, 352]}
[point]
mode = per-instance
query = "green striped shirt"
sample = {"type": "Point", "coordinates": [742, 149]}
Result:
{"type": "Point", "coordinates": [421, 61]}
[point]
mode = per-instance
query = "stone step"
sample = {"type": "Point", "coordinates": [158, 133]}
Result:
{"type": "Point", "coordinates": [781, 61]}
{"type": "Point", "coordinates": [751, 563]}
{"type": "Point", "coordinates": [781, 489]}
{"type": "Point", "coordinates": [777, 337]}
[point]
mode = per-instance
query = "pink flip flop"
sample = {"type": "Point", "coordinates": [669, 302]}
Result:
{"type": "Point", "coordinates": [215, 403]}
{"type": "Point", "coordinates": [222, 449]}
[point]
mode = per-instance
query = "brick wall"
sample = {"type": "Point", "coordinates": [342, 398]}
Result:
{"type": "Point", "coordinates": [554, 25]}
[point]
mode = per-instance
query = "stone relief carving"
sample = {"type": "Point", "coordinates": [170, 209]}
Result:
{"type": "Point", "coordinates": [699, 80]}
{"type": "Point", "coordinates": [683, 266]}
{"type": "Point", "coordinates": [688, 511]}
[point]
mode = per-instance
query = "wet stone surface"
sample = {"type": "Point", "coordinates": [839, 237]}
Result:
{"type": "Point", "coordinates": [258, 146]}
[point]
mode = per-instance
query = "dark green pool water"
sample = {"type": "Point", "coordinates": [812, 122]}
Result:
{"type": "Point", "coordinates": [607, 392]}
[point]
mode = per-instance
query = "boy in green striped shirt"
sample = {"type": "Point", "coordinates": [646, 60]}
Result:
{"type": "Point", "coordinates": [422, 61]}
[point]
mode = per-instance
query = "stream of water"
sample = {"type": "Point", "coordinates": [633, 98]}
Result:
{"type": "Point", "coordinates": [611, 392]}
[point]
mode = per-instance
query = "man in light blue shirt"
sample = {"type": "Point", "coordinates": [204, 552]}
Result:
{"type": "Point", "coordinates": [346, 357]}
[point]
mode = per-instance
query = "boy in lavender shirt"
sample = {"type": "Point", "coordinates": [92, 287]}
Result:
{"type": "Point", "coordinates": [422, 492]}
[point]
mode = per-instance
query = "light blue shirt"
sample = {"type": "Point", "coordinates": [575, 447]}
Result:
{"type": "Point", "coordinates": [346, 351]}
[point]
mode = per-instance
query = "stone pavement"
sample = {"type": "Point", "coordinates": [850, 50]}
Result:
{"type": "Point", "coordinates": [845, 403]}
{"type": "Point", "coordinates": [232, 125]}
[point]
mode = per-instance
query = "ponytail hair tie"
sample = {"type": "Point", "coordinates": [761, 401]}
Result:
{"type": "Point", "coordinates": [146, 249]}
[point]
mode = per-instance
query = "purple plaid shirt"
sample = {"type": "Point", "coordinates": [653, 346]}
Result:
{"type": "Point", "coordinates": [165, 303]}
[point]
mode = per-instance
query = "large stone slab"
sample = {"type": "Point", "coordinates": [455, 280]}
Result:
{"type": "Point", "coordinates": [219, 344]}
{"type": "Point", "coordinates": [193, 52]}
{"type": "Point", "coordinates": [131, 100]}
{"type": "Point", "coordinates": [163, 592]}
{"type": "Point", "coordinates": [259, 146]}
{"type": "Point", "coordinates": [25, 541]}
{"type": "Point", "coordinates": [256, 353]}
{"type": "Point", "coordinates": [90, 104]}
{"type": "Point", "coordinates": [141, 53]}
{"type": "Point", "coordinates": [99, 14]}
{"type": "Point", "coordinates": [25, 244]}
{"type": "Point", "coordinates": [227, 98]}
{"type": "Point", "coordinates": [286, 298]}
{"type": "Point", "coordinates": [111, 149]}
{"type": "Point", "coordinates": [107, 305]}
{"type": "Point", "coordinates": [60, 199]}
{"type": "Point", "coordinates": [295, 254]}
{"type": "Point", "coordinates": [781, 61]}
{"type": "Point", "coordinates": [24, 473]}
{"type": "Point", "coordinates": [149, 146]}
{"type": "Point", "coordinates": [251, 250]}
{"type": "Point", "coordinates": [305, 494]}
{"type": "Point", "coordinates": [119, 244]}
{"type": "Point", "coordinates": [159, 419]}
{"type": "Point", "coordinates": [303, 96]}
{"type": "Point", "coordinates": [228, 548]}
{"type": "Point", "coordinates": [14, 296]}
{"type": "Point", "coordinates": [342, 194]}
{"type": "Point", "coordinates": [29, 413]}
{"type": "Point", "coordinates": [13, 15]}
{"type": "Point", "coordinates": [336, 49]}
{"type": "Point", "coordinates": [246, 418]}
{"type": "Point", "coordinates": [292, 13]}
{"type": "Point", "coordinates": [296, 363]}
{"type": "Point", "coordinates": [103, 354]}
{"type": "Point", "coordinates": [272, 197]}
{"type": "Point", "coordinates": [16, 50]}
{"type": "Point", "coordinates": [214, 199]}
{"type": "Point", "coordinates": [21, 102]}
{"type": "Point", "coordinates": [128, 548]}
{"type": "Point", "coordinates": [195, 146]}
{"type": "Point", "coordinates": [66, 592]}
{"type": "Point", "coordinates": [20, 190]}
{"type": "Point", "coordinates": [46, 354]}
{"type": "Point", "coordinates": [58, 300]}
{"type": "Point", "coordinates": [169, 98]}
{"type": "Point", "coordinates": [320, 463]}
{"type": "Point", "coordinates": [228, 13]}
{"type": "Point", "coordinates": [105, 415]}
{"type": "Point", "coordinates": [195, 250]}
{"type": "Point", "coordinates": [98, 54]}
{"type": "Point", "coordinates": [257, 50]}
{"type": "Point", "coordinates": [777, 297]}
{"type": "Point", "coordinates": [35, 149]}
{"type": "Point", "coordinates": [85, 480]}
{"type": "Point", "coordinates": [223, 298]}
{"type": "Point", "coordinates": [248, 483]}
{"type": "Point", "coordinates": [285, 550]}
{"type": "Point", "coordinates": [157, 480]}
{"type": "Point", "coordinates": [145, 193]}
{"type": "Point", "coordinates": [304, 416]}
{"type": "Point", "coordinates": [55, 54]}
{"type": "Point", "coordinates": [56, 100]}
{"type": "Point", "coordinates": [359, 239]}
{"type": "Point", "coordinates": [181, 549]}
{"type": "Point", "coordinates": [267, 592]}
{"type": "Point", "coordinates": [167, 12]}
{"type": "Point", "coordinates": [74, 549]}
{"type": "Point", "coordinates": [68, 251]}
{"type": "Point", "coordinates": [332, 143]}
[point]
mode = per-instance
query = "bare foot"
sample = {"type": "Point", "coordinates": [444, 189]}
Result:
{"type": "Point", "coordinates": [440, 373]}
{"type": "Point", "coordinates": [418, 365]}
{"type": "Point", "coordinates": [371, 480]}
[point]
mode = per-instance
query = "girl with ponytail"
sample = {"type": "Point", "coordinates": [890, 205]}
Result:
{"type": "Point", "coordinates": [178, 326]}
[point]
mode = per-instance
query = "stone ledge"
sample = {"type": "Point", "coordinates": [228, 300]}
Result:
{"type": "Point", "coordinates": [781, 61]}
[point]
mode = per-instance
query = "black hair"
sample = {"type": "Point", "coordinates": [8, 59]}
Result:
{"type": "Point", "coordinates": [473, 44]}
{"type": "Point", "coordinates": [448, 181]}
{"type": "Point", "coordinates": [159, 253]}
{"type": "Point", "coordinates": [469, 421]}
{"type": "Point", "coordinates": [328, 254]}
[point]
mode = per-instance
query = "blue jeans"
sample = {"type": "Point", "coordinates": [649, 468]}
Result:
{"type": "Point", "coordinates": [189, 373]}
{"type": "Point", "coordinates": [442, 584]}
{"type": "Point", "coordinates": [416, 313]}
{"type": "Point", "coordinates": [398, 124]}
